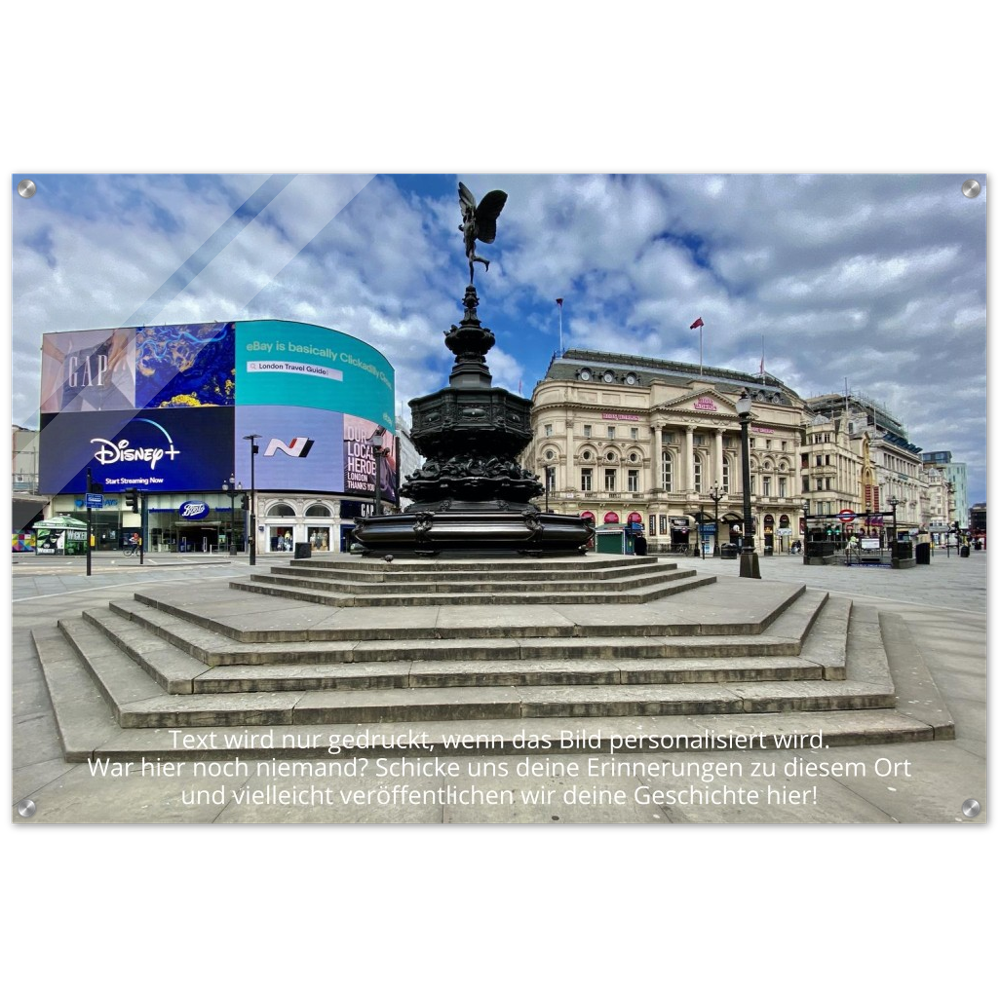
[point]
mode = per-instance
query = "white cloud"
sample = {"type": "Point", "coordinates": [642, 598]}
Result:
{"type": "Point", "coordinates": [879, 279]}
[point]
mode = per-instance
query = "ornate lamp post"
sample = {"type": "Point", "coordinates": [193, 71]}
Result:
{"type": "Point", "coordinates": [252, 438]}
{"type": "Point", "coordinates": [716, 495]}
{"type": "Point", "coordinates": [894, 503]}
{"type": "Point", "coordinates": [749, 566]}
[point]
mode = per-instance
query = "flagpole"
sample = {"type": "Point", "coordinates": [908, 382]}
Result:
{"type": "Point", "coordinates": [559, 303]}
{"type": "Point", "coordinates": [700, 324]}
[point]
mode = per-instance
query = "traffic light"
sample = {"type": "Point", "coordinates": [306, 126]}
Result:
{"type": "Point", "coordinates": [132, 498]}
{"type": "Point", "coordinates": [957, 528]}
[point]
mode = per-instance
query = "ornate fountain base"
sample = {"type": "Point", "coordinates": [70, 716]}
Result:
{"type": "Point", "coordinates": [473, 531]}
{"type": "Point", "coordinates": [472, 498]}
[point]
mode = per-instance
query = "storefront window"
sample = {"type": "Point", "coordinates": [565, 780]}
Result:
{"type": "Point", "coordinates": [280, 539]}
{"type": "Point", "coordinates": [319, 539]}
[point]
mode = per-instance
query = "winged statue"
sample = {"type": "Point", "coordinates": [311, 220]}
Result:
{"type": "Point", "coordinates": [479, 222]}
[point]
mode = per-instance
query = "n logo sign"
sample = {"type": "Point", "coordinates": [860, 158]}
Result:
{"type": "Point", "coordinates": [299, 447]}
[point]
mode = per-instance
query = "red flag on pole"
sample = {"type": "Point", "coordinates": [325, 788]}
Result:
{"type": "Point", "coordinates": [698, 322]}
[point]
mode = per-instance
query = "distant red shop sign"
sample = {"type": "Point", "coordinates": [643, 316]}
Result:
{"type": "Point", "coordinates": [588, 515]}
{"type": "Point", "coordinates": [635, 517]}
{"type": "Point", "coordinates": [611, 518]}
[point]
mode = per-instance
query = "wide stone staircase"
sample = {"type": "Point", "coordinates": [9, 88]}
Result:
{"type": "Point", "coordinates": [376, 583]}
{"type": "Point", "coordinates": [380, 657]}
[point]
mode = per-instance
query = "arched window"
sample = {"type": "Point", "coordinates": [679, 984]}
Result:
{"type": "Point", "coordinates": [281, 510]}
{"type": "Point", "coordinates": [667, 471]}
{"type": "Point", "coordinates": [318, 510]}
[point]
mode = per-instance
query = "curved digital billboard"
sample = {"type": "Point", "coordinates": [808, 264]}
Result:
{"type": "Point", "coordinates": [167, 408]}
{"type": "Point", "coordinates": [315, 397]}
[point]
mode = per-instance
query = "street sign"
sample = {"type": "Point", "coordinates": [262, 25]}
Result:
{"type": "Point", "coordinates": [847, 515]}
{"type": "Point", "coordinates": [95, 501]}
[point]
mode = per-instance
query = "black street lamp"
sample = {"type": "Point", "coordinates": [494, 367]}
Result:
{"type": "Point", "coordinates": [244, 506]}
{"type": "Point", "coordinates": [377, 442]}
{"type": "Point", "coordinates": [229, 486]}
{"type": "Point", "coordinates": [252, 438]}
{"type": "Point", "coordinates": [947, 537]}
{"type": "Point", "coordinates": [894, 549]}
{"type": "Point", "coordinates": [716, 495]}
{"type": "Point", "coordinates": [749, 566]}
{"type": "Point", "coordinates": [805, 540]}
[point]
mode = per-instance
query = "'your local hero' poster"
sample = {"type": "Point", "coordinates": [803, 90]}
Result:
{"type": "Point", "coordinates": [364, 458]}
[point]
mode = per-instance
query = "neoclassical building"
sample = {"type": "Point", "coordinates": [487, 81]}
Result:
{"type": "Point", "coordinates": [630, 439]}
{"type": "Point", "coordinates": [890, 464]}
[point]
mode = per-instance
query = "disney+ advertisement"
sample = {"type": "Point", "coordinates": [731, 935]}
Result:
{"type": "Point", "coordinates": [157, 451]}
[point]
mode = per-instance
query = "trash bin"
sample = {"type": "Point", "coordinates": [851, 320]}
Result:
{"type": "Point", "coordinates": [303, 550]}
{"type": "Point", "coordinates": [964, 551]}
{"type": "Point", "coordinates": [923, 553]}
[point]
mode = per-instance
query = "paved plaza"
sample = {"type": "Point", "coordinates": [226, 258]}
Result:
{"type": "Point", "coordinates": [943, 606]}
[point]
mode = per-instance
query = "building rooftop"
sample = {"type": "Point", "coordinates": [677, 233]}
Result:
{"type": "Point", "coordinates": [632, 370]}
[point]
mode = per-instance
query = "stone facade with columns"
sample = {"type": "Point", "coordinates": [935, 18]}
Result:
{"type": "Point", "coordinates": [628, 438]}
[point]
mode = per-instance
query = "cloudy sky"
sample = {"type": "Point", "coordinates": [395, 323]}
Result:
{"type": "Point", "coordinates": [876, 279]}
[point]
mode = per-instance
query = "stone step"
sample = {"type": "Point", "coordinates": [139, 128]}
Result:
{"type": "Point", "coordinates": [296, 724]}
{"type": "Point", "coordinates": [558, 567]}
{"type": "Point", "coordinates": [276, 619]}
{"type": "Point", "coordinates": [173, 669]}
{"type": "Point", "coordinates": [346, 677]}
{"type": "Point", "coordinates": [138, 701]}
{"type": "Point", "coordinates": [215, 650]}
{"type": "Point", "coordinates": [298, 591]}
{"type": "Point", "coordinates": [622, 737]}
{"type": "Point", "coordinates": [82, 716]}
{"type": "Point", "coordinates": [378, 571]}
{"type": "Point", "coordinates": [468, 583]}
{"type": "Point", "coordinates": [178, 656]}
{"type": "Point", "coordinates": [118, 678]}
{"type": "Point", "coordinates": [415, 705]}
{"type": "Point", "coordinates": [179, 672]}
